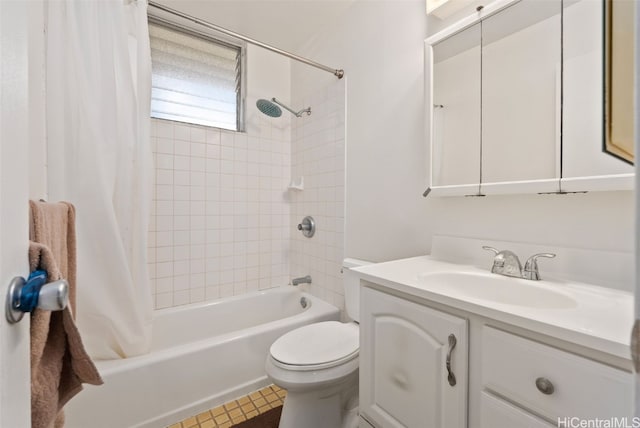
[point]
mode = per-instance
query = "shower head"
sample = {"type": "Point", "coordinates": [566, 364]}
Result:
{"type": "Point", "coordinates": [268, 108]}
{"type": "Point", "coordinates": [271, 109]}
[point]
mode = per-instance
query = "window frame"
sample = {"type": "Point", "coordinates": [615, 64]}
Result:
{"type": "Point", "coordinates": [219, 39]}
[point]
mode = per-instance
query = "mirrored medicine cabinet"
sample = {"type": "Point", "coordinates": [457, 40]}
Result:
{"type": "Point", "coordinates": [515, 101]}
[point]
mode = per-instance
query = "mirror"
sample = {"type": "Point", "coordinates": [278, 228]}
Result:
{"type": "Point", "coordinates": [619, 66]}
{"type": "Point", "coordinates": [456, 109]}
{"type": "Point", "coordinates": [583, 111]}
{"type": "Point", "coordinates": [516, 99]}
{"type": "Point", "coordinates": [521, 92]}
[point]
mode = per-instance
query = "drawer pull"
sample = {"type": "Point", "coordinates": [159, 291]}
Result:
{"type": "Point", "coordinates": [452, 344]}
{"type": "Point", "coordinates": [544, 385]}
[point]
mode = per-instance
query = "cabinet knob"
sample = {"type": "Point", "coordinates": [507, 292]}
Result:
{"type": "Point", "coordinates": [544, 385]}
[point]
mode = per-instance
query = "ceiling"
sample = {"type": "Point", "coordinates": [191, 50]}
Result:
{"type": "Point", "coordinates": [285, 24]}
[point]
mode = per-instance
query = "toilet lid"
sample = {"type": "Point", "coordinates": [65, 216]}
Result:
{"type": "Point", "coordinates": [318, 345]}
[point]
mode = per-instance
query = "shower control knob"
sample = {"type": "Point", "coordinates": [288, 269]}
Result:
{"type": "Point", "coordinates": [308, 226]}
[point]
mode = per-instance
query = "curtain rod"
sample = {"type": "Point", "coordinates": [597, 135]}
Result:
{"type": "Point", "coordinates": [338, 73]}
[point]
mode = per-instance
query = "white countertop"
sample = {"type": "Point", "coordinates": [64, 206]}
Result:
{"type": "Point", "coordinates": [601, 318]}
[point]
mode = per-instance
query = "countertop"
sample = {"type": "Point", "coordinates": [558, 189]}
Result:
{"type": "Point", "coordinates": [600, 319]}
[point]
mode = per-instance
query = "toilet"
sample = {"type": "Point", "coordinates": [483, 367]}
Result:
{"type": "Point", "coordinates": [318, 366]}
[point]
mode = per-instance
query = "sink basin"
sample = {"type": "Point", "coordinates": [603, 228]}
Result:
{"type": "Point", "coordinates": [499, 289]}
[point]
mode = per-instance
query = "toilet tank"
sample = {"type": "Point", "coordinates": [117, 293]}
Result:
{"type": "Point", "coordinates": [352, 287]}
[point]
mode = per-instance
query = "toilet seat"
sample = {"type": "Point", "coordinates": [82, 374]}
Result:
{"type": "Point", "coordinates": [316, 346]}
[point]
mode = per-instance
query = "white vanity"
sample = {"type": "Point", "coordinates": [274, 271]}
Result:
{"type": "Point", "coordinates": [525, 353]}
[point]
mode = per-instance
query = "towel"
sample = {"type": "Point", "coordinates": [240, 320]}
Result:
{"type": "Point", "coordinates": [59, 363]}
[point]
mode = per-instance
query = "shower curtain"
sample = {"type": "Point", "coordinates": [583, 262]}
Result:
{"type": "Point", "coordinates": [98, 85]}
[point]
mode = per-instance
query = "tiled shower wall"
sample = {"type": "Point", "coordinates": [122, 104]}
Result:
{"type": "Point", "coordinates": [220, 212]}
{"type": "Point", "coordinates": [318, 155]}
{"type": "Point", "coordinates": [223, 222]}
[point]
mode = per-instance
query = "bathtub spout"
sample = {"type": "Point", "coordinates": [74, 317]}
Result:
{"type": "Point", "coordinates": [301, 280]}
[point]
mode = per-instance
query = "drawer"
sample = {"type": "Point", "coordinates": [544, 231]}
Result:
{"type": "Point", "coordinates": [497, 413]}
{"type": "Point", "coordinates": [581, 387]}
{"type": "Point", "coordinates": [363, 423]}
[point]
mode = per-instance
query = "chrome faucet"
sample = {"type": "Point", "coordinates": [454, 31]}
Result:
{"type": "Point", "coordinates": [301, 280]}
{"type": "Point", "coordinates": [507, 263]}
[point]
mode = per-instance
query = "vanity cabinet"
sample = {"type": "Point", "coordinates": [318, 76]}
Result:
{"type": "Point", "coordinates": [404, 349]}
{"type": "Point", "coordinates": [505, 376]}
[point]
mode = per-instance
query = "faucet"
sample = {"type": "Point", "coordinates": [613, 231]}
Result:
{"type": "Point", "coordinates": [507, 263]}
{"type": "Point", "coordinates": [301, 280]}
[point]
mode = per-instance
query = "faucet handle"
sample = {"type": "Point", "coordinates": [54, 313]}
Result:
{"type": "Point", "coordinates": [488, 248]}
{"type": "Point", "coordinates": [531, 266]}
{"type": "Point", "coordinates": [535, 257]}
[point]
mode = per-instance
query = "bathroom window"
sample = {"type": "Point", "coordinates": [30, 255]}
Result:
{"type": "Point", "coordinates": [196, 78]}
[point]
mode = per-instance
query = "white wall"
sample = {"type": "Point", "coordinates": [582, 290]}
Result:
{"type": "Point", "coordinates": [379, 44]}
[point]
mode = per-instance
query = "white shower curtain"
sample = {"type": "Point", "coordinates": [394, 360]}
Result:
{"type": "Point", "coordinates": [98, 85]}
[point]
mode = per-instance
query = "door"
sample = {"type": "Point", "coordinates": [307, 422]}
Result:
{"type": "Point", "coordinates": [14, 339]}
{"type": "Point", "coordinates": [404, 381]}
{"type": "Point", "coordinates": [636, 352]}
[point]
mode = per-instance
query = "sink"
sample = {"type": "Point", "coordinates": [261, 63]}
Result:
{"type": "Point", "coordinates": [499, 289]}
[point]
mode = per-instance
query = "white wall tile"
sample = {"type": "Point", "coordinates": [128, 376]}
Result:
{"type": "Point", "coordinates": [181, 162]}
{"type": "Point", "coordinates": [198, 134]}
{"type": "Point", "coordinates": [317, 154]}
{"type": "Point", "coordinates": [202, 205]}
{"type": "Point", "coordinates": [181, 297]}
{"type": "Point", "coordinates": [182, 148]}
{"type": "Point", "coordinates": [182, 131]}
{"type": "Point", "coordinates": [163, 128]}
{"type": "Point", "coordinates": [164, 145]}
{"type": "Point", "coordinates": [164, 300]}
{"type": "Point", "coordinates": [212, 136]}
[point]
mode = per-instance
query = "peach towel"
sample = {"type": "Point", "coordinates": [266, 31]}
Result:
{"type": "Point", "coordinates": [59, 363]}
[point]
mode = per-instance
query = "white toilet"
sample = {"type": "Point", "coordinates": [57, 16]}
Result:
{"type": "Point", "coordinates": [318, 366]}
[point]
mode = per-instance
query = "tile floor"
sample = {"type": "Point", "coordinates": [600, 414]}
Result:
{"type": "Point", "coordinates": [238, 410]}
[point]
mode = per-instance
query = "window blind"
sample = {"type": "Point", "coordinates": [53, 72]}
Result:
{"type": "Point", "coordinates": [194, 79]}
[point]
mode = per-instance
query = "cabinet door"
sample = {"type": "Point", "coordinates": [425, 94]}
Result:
{"type": "Point", "coordinates": [455, 107]}
{"type": "Point", "coordinates": [403, 375]}
{"type": "Point", "coordinates": [521, 53]}
{"type": "Point", "coordinates": [585, 166]}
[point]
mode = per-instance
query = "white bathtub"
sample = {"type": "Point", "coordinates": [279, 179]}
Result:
{"type": "Point", "coordinates": [202, 356]}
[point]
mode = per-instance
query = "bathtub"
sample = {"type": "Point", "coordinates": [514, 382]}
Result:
{"type": "Point", "coordinates": [202, 356]}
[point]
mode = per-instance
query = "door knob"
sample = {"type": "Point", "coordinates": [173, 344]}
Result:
{"type": "Point", "coordinates": [26, 295]}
